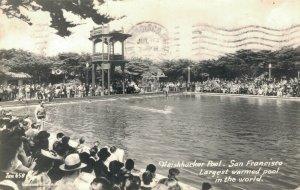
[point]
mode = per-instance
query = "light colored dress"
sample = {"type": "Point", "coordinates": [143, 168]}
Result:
{"type": "Point", "coordinates": [36, 181]}
{"type": "Point", "coordinates": [82, 182]}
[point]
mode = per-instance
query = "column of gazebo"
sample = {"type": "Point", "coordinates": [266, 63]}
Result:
{"type": "Point", "coordinates": [108, 70]}
{"type": "Point", "coordinates": [110, 50]}
{"type": "Point", "coordinates": [93, 68]}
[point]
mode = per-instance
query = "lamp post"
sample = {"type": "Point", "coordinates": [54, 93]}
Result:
{"type": "Point", "coordinates": [270, 67]}
{"type": "Point", "coordinates": [189, 76]}
{"type": "Point", "coordinates": [87, 78]}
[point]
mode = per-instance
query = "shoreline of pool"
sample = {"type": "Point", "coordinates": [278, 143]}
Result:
{"type": "Point", "coordinates": [242, 95]}
{"type": "Point", "coordinates": [90, 99]}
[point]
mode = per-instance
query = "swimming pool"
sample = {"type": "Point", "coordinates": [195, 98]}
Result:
{"type": "Point", "coordinates": [192, 127]}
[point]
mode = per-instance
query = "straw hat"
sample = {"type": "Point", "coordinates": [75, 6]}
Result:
{"type": "Point", "coordinates": [51, 155]}
{"type": "Point", "coordinates": [72, 162]}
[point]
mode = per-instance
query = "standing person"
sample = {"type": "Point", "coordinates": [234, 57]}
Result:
{"type": "Point", "coordinates": [27, 91]}
{"type": "Point", "coordinates": [1, 92]}
{"type": "Point", "coordinates": [40, 113]}
{"type": "Point", "coordinates": [166, 90]}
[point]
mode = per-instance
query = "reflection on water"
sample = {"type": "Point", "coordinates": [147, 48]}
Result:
{"type": "Point", "coordinates": [199, 128]}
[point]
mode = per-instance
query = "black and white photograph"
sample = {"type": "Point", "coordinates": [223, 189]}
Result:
{"type": "Point", "coordinates": [149, 95]}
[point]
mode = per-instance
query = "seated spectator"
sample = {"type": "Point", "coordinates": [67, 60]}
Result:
{"type": "Point", "coordinates": [11, 148]}
{"type": "Point", "coordinates": [71, 168]}
{"type": "Point", "coordinates": [206, 186]}
{"type": "Point", "coordinates": [38, 177]}
{"type": "Point", "coordinates": [116, 154]}
{"type": "Point", "coordinates": [112, 157]}
{"type": "Point", "coordinates": [173, 173]}
{"type": "Point", "coordinates": [160, 187]}
{"type": "Point", "coordinates": [151, 168]}
{"type": "Point", "coordinates": [100, 184]}
{"type": "Point", "coordinates": [89, 158]}
{"type": "Point", "coordinates": [147, 178]}
{"type": "Point", "coordinates": [13, 124]}
{"type": "Point", "coordinates": [57, 140]}
{"type": "Point", "coordinates": [100, 168]}
{"type": "Point", "coordinates": [33, 131]}
{"type": "Point", "coordinates": [8, 185]}
{"type": "Point", "coordinates": [27, 122]}
{"type": "Point", "coordinates": [115, 176]}
{"type": "Point", "coordinates": [129, 166]}
{"type": "Point", "coordinates": [41, 141]}
{"type": "Point", "coordinates": [132, 183]}
{"type": "Point", "coordinates": [63, 148]}
{"type": "Point", "coordinates": [80, 145]}
{"type": "Point", "coordinates": [172, 184]}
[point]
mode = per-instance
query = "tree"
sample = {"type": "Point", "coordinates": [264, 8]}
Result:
{"type": "Point", "coordinates": [73, 65]}
{"type": "Point", "coordinates": [82, 8]}
{"type": "Point", "coordinates": [23, 61]}
{"type": "Point", "coordinates": [176, 69]}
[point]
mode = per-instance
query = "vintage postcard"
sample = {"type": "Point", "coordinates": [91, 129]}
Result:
{"type": "Point", "coordinates": [149, 94]}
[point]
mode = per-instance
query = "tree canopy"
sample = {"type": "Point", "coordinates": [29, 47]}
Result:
{"type": "Point", "coordinates": [241, 64]}
{"type": "Point", "coordinates": [82, 8]}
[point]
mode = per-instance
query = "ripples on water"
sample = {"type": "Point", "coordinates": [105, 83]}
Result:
{"type": "Point", "coordinates": [198, 128]}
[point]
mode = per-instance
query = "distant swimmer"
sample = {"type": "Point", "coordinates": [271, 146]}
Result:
{"type": "Point", "coordinates": [107, 109]}
{"type": "Point", "coordinates": [166, 107]}
{"type": "Point", "coordinates": [166, 110]}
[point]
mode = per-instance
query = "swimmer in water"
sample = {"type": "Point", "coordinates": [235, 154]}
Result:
{"type": "Point", "coordinates": [166, 107]}
{"type": "Point", "coordinates": [107, 109]}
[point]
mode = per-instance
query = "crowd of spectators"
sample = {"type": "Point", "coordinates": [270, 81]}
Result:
{"type": "Point", "coordinates": [31, 158]}
{"type": "Point", "coordinates": [10, 92]}
{"type": "Point", "coordinates": [263, 87]}
{"type": "Point", "coordinates": [282, 87]}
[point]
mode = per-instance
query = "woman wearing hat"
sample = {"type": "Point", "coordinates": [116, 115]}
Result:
{"type": "Point", "coordinates": [37, 178]}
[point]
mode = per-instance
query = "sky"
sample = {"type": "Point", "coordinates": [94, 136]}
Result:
{"type": "Point", "coordinates": [177, 16]}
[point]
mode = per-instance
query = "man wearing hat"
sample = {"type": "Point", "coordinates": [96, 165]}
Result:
{"type": "Point", "coordinates": [71, 168]}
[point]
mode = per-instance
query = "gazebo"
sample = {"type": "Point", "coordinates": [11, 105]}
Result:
{"type": "Point", "coordinates": [106, 57]}
{"type": "Point", "coordinates": [8, 77]}
{"type": "Point", "coordinates": [150, 79]}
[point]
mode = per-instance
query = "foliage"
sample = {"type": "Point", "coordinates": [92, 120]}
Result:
{"type": "Point", "coordinates": [40, 67]}
{"type": "Point", "coordinates": [176, 69]}
{"type": "Point", "coordinates": [23, 61]}
{"type": "Point", "coordinates": [72, 64]}
{"type": "Point", "coordinates": [242, 64]}
{"type": "Point", "coordinates": [82, 8]}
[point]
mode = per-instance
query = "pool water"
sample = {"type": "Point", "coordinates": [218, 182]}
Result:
{"type": "Point", "coordinates": [192, 127]}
